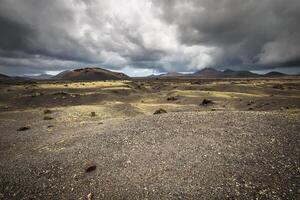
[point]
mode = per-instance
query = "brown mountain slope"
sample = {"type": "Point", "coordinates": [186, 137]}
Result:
{"type": "Point", "coordinates": [208, 72]}
{"type": "Point", "coordinates": [90, 74]}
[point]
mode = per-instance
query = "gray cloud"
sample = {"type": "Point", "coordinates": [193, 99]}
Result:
{"type": "Point", "coordinates": [42, 35]}
{"type": "Point", "coordinates": [256, 33]}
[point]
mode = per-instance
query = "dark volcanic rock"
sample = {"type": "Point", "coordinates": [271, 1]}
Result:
{"type": "Point", "coordinates": [90, 166]}
{"type": "Point", "coordinates": [207, 102]}
{"type": "Point", "coordinates": [24, 128]}
{"type": "Point", "coordinates": [93, 114]}
{"type": "Point", "coordinates": [278, 86]}
{"type": "Point", "coordinates": [47, 111]}
{"type": "Point", "coordinates": [172, 98]}
{"type": "Point", "coordinates": [160, 111]}
{"type": "Point", "coordinates": [48, 118]}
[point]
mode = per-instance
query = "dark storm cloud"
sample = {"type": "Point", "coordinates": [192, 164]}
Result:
{"type": "Point", "coordinates": [10, 37]}
{"type": "Point", "coordinates": [164, 35]}
{"type": "Point", "coordinates": [261, 33]}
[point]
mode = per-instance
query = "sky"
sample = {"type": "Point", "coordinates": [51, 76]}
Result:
{"type": "Point", "coordinates": [142, 37]}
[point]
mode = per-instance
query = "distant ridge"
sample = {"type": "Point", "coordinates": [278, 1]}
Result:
{"type": "Point", "coordinates": [8, 79]}
{"type": "Point", "coordinates": [228, 73]}
{"type": "Point", "coordinates": [208, 72]}
{"type": "Point", "coordinates": [171, 74]}
{"type": "Point", "coordinates": [214, 73]}
{"type": "Point", "coordinates": [89, 73]}
{"type": "Point", "coordinates": [275, 74]}
{"type": "Point", "coordinates": [4, 77]}
{"type": "Point", "coordinates": [40, 77]}
{"type": "Point", "coordinates": [231, 73]}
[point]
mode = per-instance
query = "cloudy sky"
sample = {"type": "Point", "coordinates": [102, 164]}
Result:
{"type": "Point", "coordinates": [141, 37]}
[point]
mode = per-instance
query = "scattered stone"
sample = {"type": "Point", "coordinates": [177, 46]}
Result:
{"type": "Point", "coordinates": [172, 98]}
{"type": "Point", "coordinates": [36, 94]}
{"type": "Point", "coordinates": [160, 111]}
{"type": "Point", "coordinates": [100, 123]}
{"type": "Point", "coordinates": [250, 103]}
{"type": "Point", "coordinates": [75, 177]}
{"type": "Point", "coordinates": [72, 95]}
{"type": "Point", "coordinates": [90, 196]}
{"type": "Point", "coordinates": [50, 126]}
{"type": "Point", "coordinates": [47, 111]}
{"type": "Point", "coordinates": [250, 108]}
{"type": "Point", "coordinates": [48, 118]}
{"type": "Point", "coordinates": [278, 86]}
{"type": "Point", "coordinates": [207, 102]}
{"type": "Point", "coordinates": [4, 107]}
{"type": "Point", "coordinates": [196, 83]}
{"type": "Point", "coordinates": [61, 93]}
{"type": "Point", "coordinates": [93, 114]}
{"type": "Point", "coordinates": [90, 166]}
{"type": "Point", "coordinates": [24, 128]}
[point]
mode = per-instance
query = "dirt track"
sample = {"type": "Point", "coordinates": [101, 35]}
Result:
{"type": "Point", "coordinates": [186, 155]}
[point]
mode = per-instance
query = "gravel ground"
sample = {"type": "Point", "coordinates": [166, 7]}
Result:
{"type": "Point", "coordinates": [187, 155]}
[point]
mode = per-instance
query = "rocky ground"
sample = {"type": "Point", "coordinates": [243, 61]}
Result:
{"type": "Point", "coordinates": [112, 146]}
{"type": "Point", "coordinates": [187, 155]}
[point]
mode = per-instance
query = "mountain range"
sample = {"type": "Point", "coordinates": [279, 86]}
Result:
{"type": "Point", "coordinates": [95, 73]}
{"type": "Point", "coordinates": [213, 73]}
{"type": "Point", "coordinates": [228, 73]}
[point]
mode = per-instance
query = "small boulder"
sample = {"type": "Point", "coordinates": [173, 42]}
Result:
{"type": "Point", "coordinates": [250, 103]}
{"type": "Point", "coordinates": [90, 196]}
{"type": "Point", "coordinates": [48, 118]}
{"type": "Point", "coordinates": [278, 86]}
{"type": "Point", "coordinates": [36, 94]}
{"type": "Point", "coordinates": [207, 102]}
{"type": "Point", "coordinates": [160, 111]}
{"type": "Point", "coordinates": [24, 128]}
{"type": "Point", "coordinates": [47, 111]}
{"type": "Point", "coordinates": [90, 166]}
{"type": "Point", "coordinates": [172, 98]}
{"type": "Point", "coordinates": [93, 114]}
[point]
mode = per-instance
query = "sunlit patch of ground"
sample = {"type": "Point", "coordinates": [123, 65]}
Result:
{"type": "Point", "coordinates": [105, 111]}
{"type": "Point", "coordinates": [83, 85]}
{"type": "Point", "coordinates": [150, 108]}
{"type": "Point", "coordinates": [217, 94]}
{"type": "Point", "coordinates": [144, 96]}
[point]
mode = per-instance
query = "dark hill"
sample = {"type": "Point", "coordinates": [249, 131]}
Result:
{"type": "Point", "coordinates": [4, 77]}
{"type": "Point", "coordinates": [274, 74]}
{"type": "Point", "coordinates": [90, 74]}
{"type": "Point", "coordinates": [230, 73]}
{"type": "Point", "coordinates": [213, 73]}
{"type": "Point", "coordinates": [208, 72]}
{"type": "Point", "coordinates": [171, 74]}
